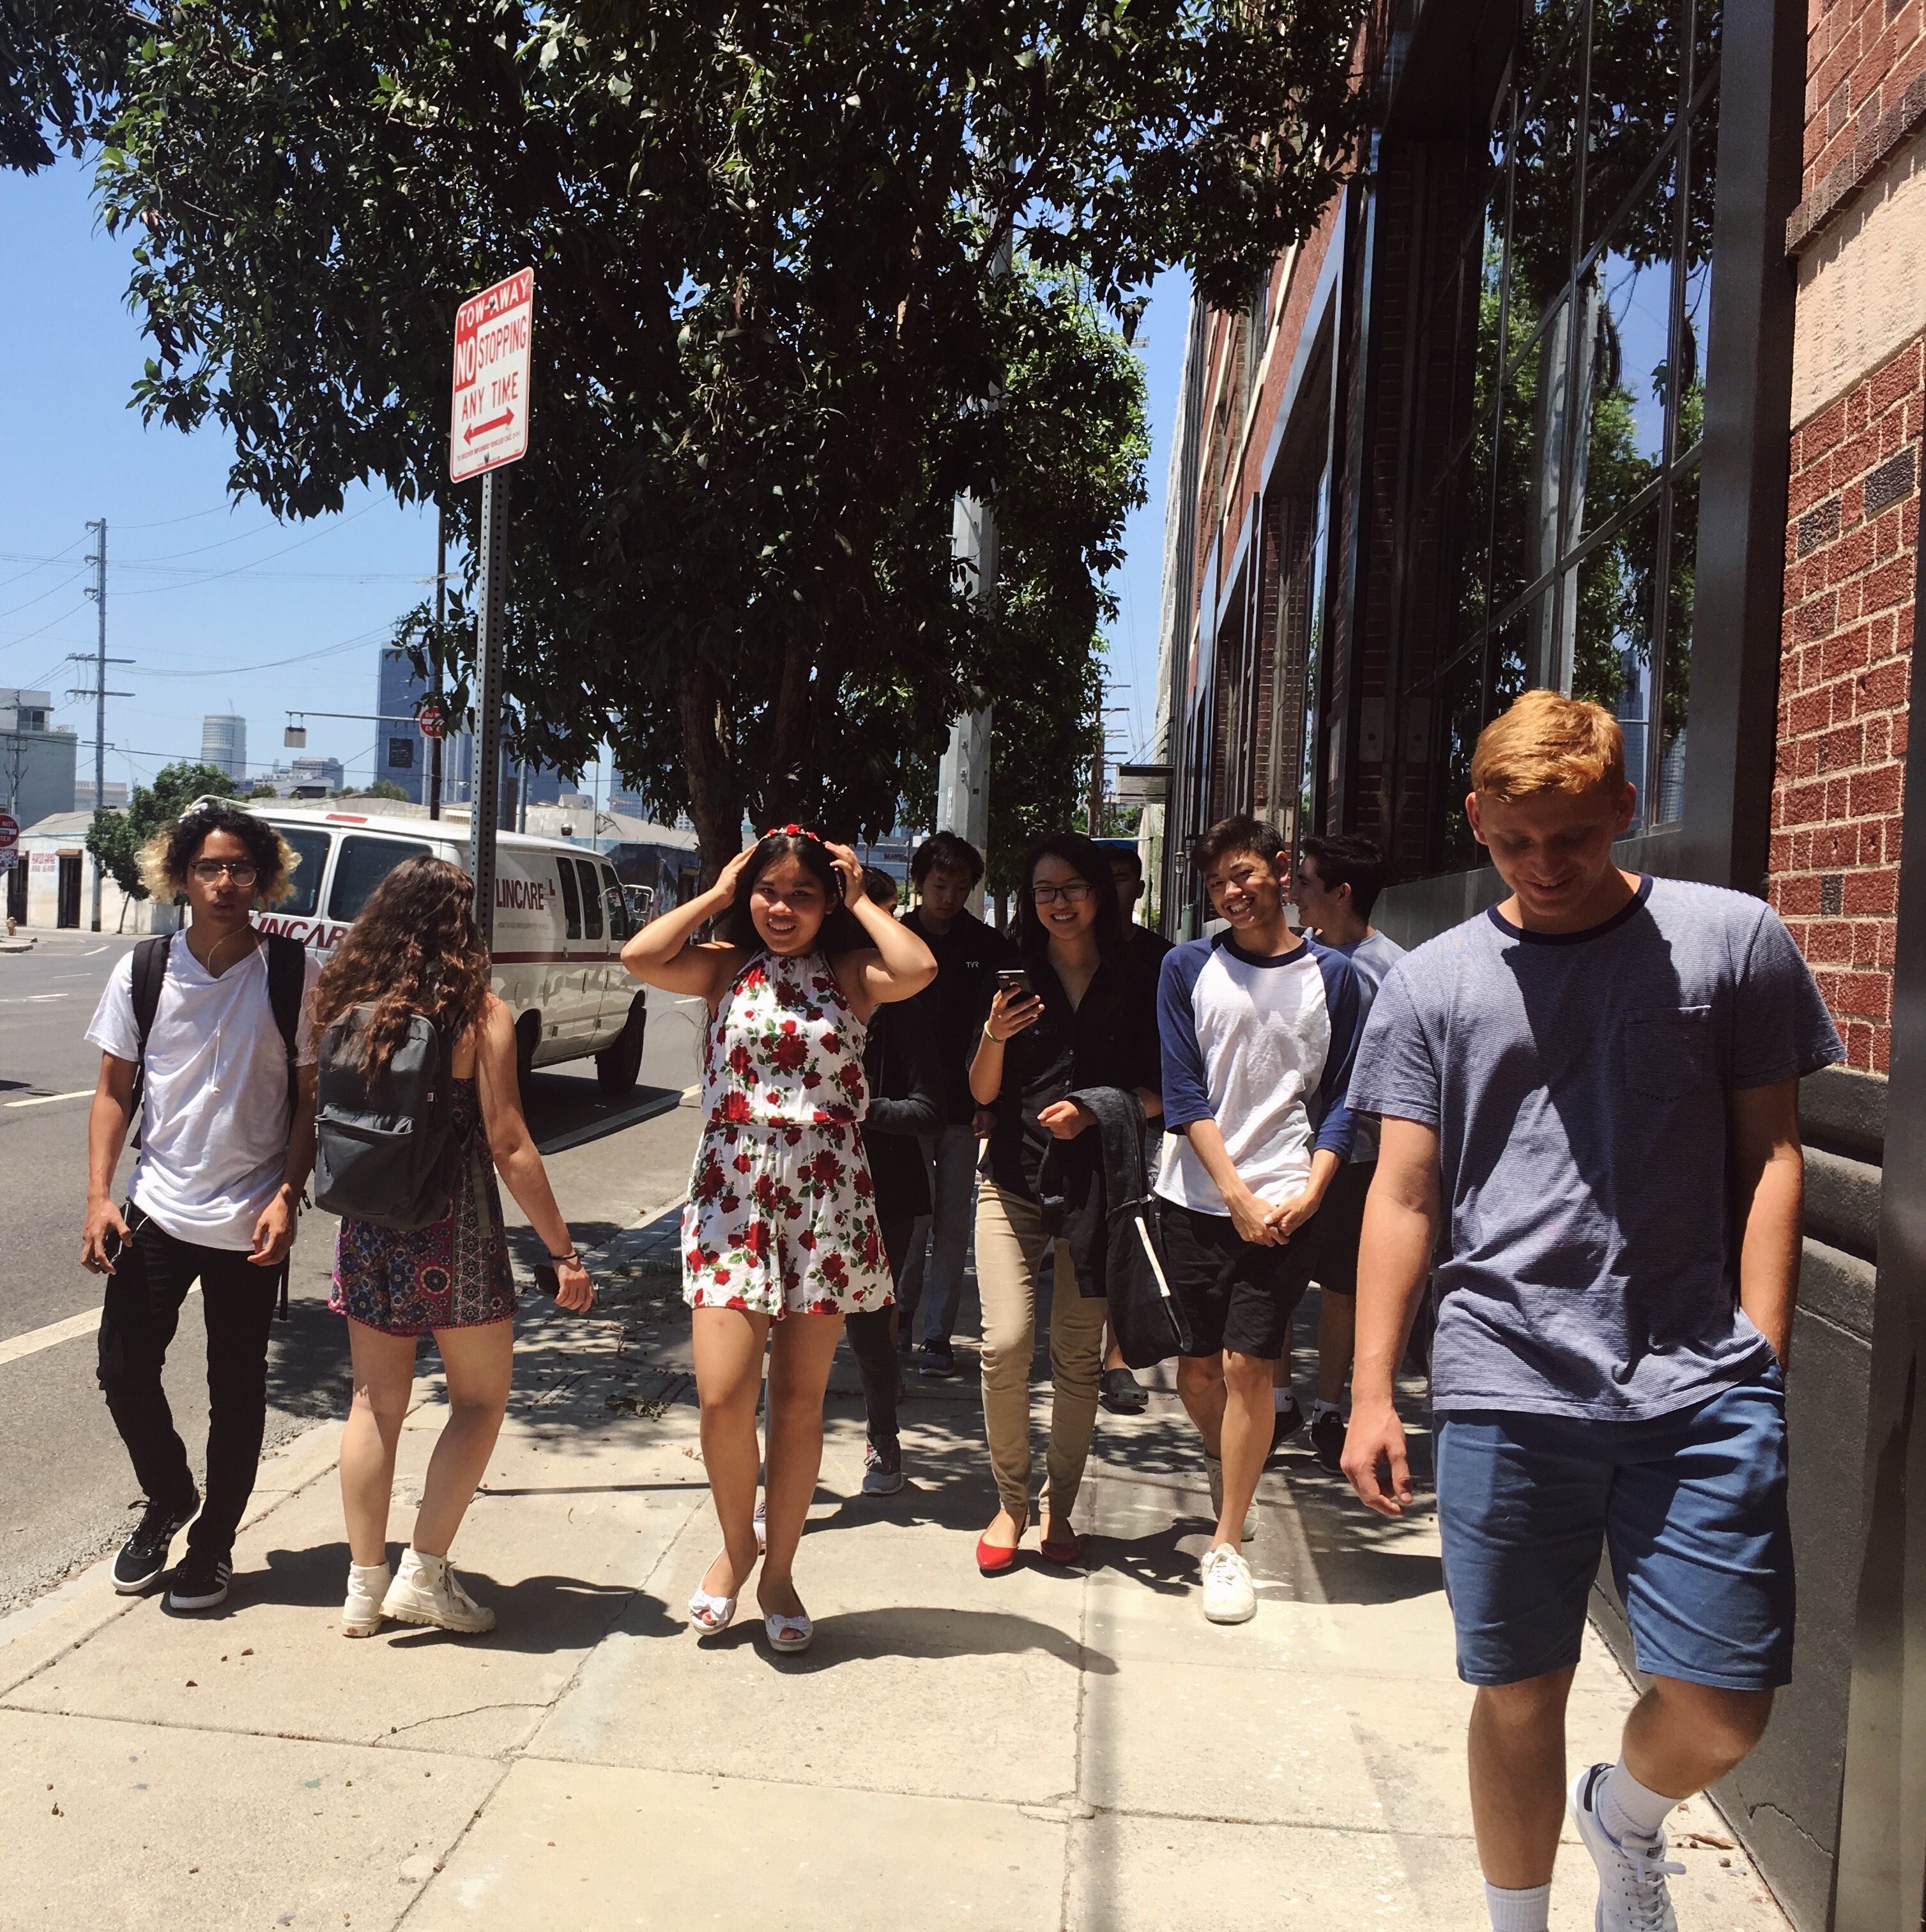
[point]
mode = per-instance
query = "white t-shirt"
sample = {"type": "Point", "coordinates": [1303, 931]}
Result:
{"type": "Point", "coordinates": [214, 1119]}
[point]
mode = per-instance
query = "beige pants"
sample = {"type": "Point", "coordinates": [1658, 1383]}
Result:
{"type": "Point", "coordinates": [1010, 1243]}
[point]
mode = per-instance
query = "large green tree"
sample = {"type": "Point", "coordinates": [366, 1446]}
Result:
{"type": "Point", "coordinates": [115, 838]}
{"type": "Point", "coordinates": [805, 270]}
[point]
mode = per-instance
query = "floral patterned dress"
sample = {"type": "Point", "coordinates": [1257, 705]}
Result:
{"type": "Point", "coordinates": [781, 1212]}
{"type": "Point", "coordinates": [456, 1273]}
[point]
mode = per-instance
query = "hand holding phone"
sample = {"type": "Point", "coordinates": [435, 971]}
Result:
{"type": "Point", "coordinates": [1016, 1005]}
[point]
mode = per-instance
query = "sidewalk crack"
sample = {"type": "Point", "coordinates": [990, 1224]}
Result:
{"type": "Point", "coordinates": [448, 1717]}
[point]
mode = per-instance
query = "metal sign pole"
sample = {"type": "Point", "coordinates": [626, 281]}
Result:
{"type": "Point", "coordinates": [491, 654]}
{"type": "Point", "coordinates": [435, 663]}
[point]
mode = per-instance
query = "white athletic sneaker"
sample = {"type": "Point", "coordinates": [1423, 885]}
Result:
{"type": "Point", "coordinates": [368, 1585]}
{"type": "Point", "coordinates": [1632, 1895]}
{"type": "Point", "coordinates": [428, 1591]}
{"type": "Point", "coordinates": [1214, 1467]}
{"type": "Point", "coordinates": [1229, 1595]}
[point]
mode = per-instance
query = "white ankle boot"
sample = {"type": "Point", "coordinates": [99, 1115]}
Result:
{"type": "Point", "coordinates": [428, 1591]}
{"type": "Point", "coordinates": [367, 1584]}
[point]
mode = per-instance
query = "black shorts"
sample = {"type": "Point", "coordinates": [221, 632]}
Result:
{"type": "Point", "coordinates": [1235, 1295]}
{"type": "Point", "coordinates": [1335, 1228]}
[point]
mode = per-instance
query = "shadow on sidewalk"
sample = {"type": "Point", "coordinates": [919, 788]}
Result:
{"type": "Point", "coordinates": [910, 1630]}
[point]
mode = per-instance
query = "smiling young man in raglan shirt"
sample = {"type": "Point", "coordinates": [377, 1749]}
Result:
{"type": "Point", "coordinates": [1258, 1027]}
{"type": "Point", "coordinates": [1591, 1093]}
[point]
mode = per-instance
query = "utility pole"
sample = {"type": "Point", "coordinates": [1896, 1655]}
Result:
{"type": "Point", "coordinates": [100, 693]}
{"type": "Point", "coordinates": [435, 663]}
{"type": "Point", "coordinates": [491, 641]}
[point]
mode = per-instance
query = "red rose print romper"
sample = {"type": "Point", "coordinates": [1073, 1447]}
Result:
{"type": "Point", "coordinates": [781, 1212]}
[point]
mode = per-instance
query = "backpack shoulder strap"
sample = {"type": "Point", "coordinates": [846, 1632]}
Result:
{"type": "Point", "coordinates": [150, 968]}
{"type": "Point", "coordinates": [287, 979]}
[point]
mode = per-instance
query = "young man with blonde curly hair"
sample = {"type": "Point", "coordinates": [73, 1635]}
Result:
{"type": "Point", "coordinates": [200, 1029]}
{"type": "Point", "coordinates": [1591, 1093]}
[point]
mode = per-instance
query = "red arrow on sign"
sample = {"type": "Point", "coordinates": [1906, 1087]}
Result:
{"type": "Point", "coordinates": [501, 422]}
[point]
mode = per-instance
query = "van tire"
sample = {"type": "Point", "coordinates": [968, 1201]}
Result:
{"type": "Point", "coordinates": [617, 1065]}
{"type": "Point", "coordinates": [528, 1031]}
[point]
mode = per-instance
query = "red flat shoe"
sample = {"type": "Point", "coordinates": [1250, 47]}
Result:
{"type": "Point", "coordinates": [1069, 1551]}
{"type": "Point", "coordinates": [993, 1560]}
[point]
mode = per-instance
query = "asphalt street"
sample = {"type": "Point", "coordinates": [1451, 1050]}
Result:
{"type": "Point", "coordinates": [66, 1491]}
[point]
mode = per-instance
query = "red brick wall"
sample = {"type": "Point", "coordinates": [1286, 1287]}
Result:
{"type": "Point", "coordinates": [1861, 55]}
{"type": "Point", "coordinates": [1845, 655]}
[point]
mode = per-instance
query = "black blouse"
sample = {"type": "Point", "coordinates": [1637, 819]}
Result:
{"type": "Point", "coordinates": [1109, 1040]}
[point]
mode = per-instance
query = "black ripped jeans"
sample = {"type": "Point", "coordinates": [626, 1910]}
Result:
{"type": "Point", "coordinates": [150, 1279]}
{"type": "Point", "coordinates": [870, 1340]}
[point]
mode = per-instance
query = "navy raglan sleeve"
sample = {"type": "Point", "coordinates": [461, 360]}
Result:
{"type": "Point", "coordinates": [1187, 1087]}
{"type": "Point", "coordinates": [1337, 1130]}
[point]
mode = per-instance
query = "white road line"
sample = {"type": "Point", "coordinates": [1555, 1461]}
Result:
{"type": "Point", "coordinates": [48, 1099]}
{"type": "Point", "coordinates": [85, 1323]}
{"type": "Point", "coordinates": [89, 954]}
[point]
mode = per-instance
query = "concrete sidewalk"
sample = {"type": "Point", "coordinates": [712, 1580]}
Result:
{"type": "Point", "coordinates": [1044, 1749]}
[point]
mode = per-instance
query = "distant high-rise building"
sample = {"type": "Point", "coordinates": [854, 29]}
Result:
{"type": "Point", "coordinates": [317, 776]}
{"type": "Point", "coordinates": [402, 753]}
{"type": "Point", "coordinates": [224, 743]}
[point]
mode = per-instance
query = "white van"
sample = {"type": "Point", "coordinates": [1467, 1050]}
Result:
{"type": "Point", "coordinates": [560, 920]}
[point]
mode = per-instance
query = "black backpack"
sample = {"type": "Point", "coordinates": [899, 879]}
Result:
{"type": "Point", "coordinates": [287, 979]}
{"type": "Point", "coordinates": [386, 1150]}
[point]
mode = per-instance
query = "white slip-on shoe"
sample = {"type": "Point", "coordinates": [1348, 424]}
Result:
{"type": "Point", "coordinates": [1213, 1467]}
{"type": "Point", "coordinates": [428, 1590]}
{"type": "Point", "coordinates": [368, 1585]}
{"type": "Point", "coordinates": [1230, 1596]}
{"type": "Point", "coordinates": [1632, 1892]}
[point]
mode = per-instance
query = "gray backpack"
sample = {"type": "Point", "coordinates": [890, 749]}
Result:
{"type": "Point", "coordinates": [386, 1151]}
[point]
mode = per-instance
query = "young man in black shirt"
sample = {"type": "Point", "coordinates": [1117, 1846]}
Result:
{"type": "Point", "coordinates": [945, 871]}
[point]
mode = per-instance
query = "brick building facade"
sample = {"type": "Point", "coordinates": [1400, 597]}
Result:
{"type": "Point", "coordinates": [1587, 382]}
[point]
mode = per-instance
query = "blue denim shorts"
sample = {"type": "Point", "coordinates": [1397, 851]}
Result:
{"type": "Point", "coordinates": [1691, 1506]}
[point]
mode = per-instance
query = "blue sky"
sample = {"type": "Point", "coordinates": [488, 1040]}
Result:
{"type": "Point", "coordinates": [221, 608]}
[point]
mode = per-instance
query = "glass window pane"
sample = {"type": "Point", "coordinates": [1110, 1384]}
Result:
{"type": "Point", "coordinates": [310, 848]}
{"type": "Point", "coordinates": [1637, 79]}
{"type": "Point", "coordinates": [363, 863]}
{"type": "Point", "coordinates": [1612, 632]}
{"type": "Point", "coordinates": [1708, 19]}
{"type": "Point", "coordinates": [1461, 719]}
{"type": "Point", "coordinates": [1544, 172]}
{"type": "Point", "coordinates": [571, 899]}
{"type": "Point", "coordinates": [1530, 468]}
{"type": "Point", "coordinates": [1701, 172]}
{"type": "Point", "coordinates": [1676, 699]}
{"type": "Point", "coordinates": [1625, 311]}
{"type": "Point", "coordinates": [592, 904]}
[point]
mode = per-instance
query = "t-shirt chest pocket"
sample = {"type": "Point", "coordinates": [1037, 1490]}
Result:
{"type": "Point", "coordinates": [1666, 1051]}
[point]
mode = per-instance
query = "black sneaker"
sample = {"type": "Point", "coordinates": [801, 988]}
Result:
{"type": "Point", "coordinates": [906, 1342]}
{"type": "Point", "coordinates": [937, 1359]}
{"type": "Point", "coordinates": [1120, 1392]}
{"type": "Point", "coordinates": [144, 1554]}
{"type": "Point", "coordinates": [198, 1583]}
{"type": "Point", "coordinates": [1328, 1441]}
{"type": "Point", "coordinates": [1285, 1423]}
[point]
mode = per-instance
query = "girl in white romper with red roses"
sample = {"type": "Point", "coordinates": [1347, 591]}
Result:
{"type": "Point", "coordinates": [781, 1222]}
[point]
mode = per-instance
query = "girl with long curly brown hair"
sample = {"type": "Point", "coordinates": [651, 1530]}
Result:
{"type": "Point", "coordinates": [415, 949]}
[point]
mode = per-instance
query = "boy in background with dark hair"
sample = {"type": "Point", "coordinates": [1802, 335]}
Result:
{"type": "Point", "coordinates": [1339, 876]}
{"type": "Point", "coordinates": [1257, 1028]}
{"type": "Point", "coordinates": [945, 871]}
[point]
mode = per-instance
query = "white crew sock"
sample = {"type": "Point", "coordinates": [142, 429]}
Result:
{"type": "Point", "coordinates": [1527, 1911]}
{"type": "Point", "coordinates": [1281, 1398]}
{"type": "Point", "coordinates": [1627, 1809]}
{"type": "Point", "coordinates": [1321, 1409]}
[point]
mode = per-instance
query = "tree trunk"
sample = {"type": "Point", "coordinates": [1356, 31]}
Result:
{"type": "Point", "coordinates": [714, 784]}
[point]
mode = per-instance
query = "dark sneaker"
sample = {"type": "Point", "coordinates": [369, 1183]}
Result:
{"type": "Point", "coordinates": [906, 1342]}
{"type": "Point", "coordinates": [937, 1359]}
{"type": "Point", "coordinates": [198, 1583]}
{"type": "Point", "coordinates": [882, 1468]}
{"type": "Point", "coordinates": [1120, 1392]}
{"type": "Point", "coordinates": [1328, 1441]}
{"type": "Point", "coordinates": [1285, 1423]}
{"type": "Point", "coordinates": [143, 1556]}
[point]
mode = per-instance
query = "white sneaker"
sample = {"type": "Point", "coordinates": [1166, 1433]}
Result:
{"type": "Point", "coordinates": [1632, 1894]}
{"type": "Point", "coordinates": [428, 1591]}
{"type": "Point", "coordinates": [368, 1585]}
{"type": "Point", "coordinates": [1229, 1595]}
{"type": "Point", "coordinates": [1214, 1467]}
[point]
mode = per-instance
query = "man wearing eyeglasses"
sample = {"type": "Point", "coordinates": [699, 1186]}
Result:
{"type": "Point", "coordinates": [226, 1090]}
